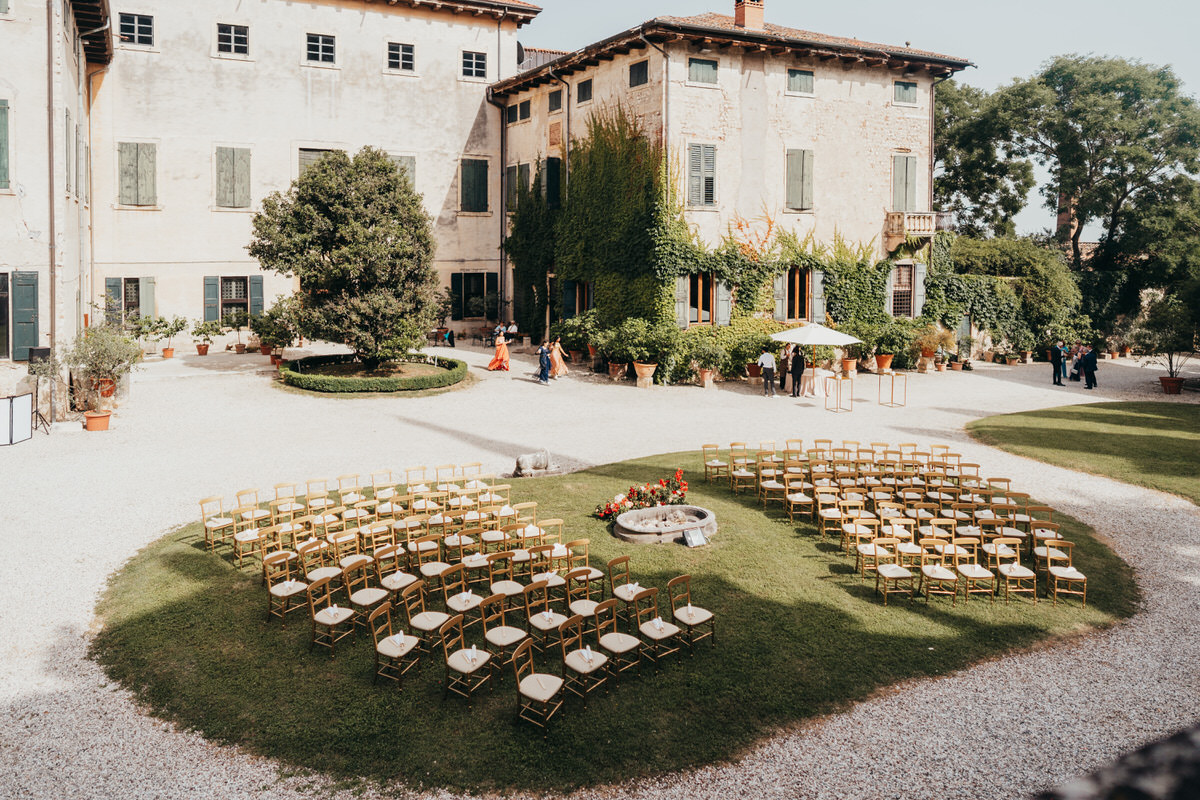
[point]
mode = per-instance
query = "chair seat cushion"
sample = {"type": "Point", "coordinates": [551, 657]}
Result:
{"type": "Point", "coordinates": [433, 569]}
{"type": "Point", "coordinates": [491, 537]}
{"type": "Point", "coordinates": [507, 588]}
{"type": "Point", "coordinates": [909, 549]}
{"type": "Point", "coordinates": [799, 497]}
{"type": "Point", "coordinates": [505, 636]}
{"type": "Point", "coordinates": [355, 560]}
{"type": "Point", "coordinates": [463, 602]}
{"type": "Point", "coordinates": [1015, 571]}
{"type": "Point", "coordinates": [475, 561]}
{"type": "Point", "coordinates": [552, 579]}
{"type": "Point", "coordinates": [332, 615]}
{"type": "Point", "coordinates": [460, 661]}
{"type": "Point", "coordinates": [540, 687]}
{"type": "Point", "coordinates": [937, 572]}
{"type": "Point", "coordinates": [1044, 551]}
{"type": "Point", "coordinates": [397, 646]}
{"type": "Point", "coordinates": [322, 572]}
{"type": "Point", "coordinates": [369, 596]}
{"type": "Point", "coordinates": [692, 615]}
{"type": "Point", "coordinates": [585, 608]}
{"type": "Point", "coordinates": [975, 572]}
{"type": "Point", "coordinates": [771, 484]}
{"type": "Point", "coordinates": [454, 540]}
{"type": "Point", "coordinates": [1067, 574]}
{"type": "Point", "coordinates": [619, 643]}
{"type": "Point", "coordinates": [873, 550]}
{"type": "Point", "coordinates": [218, 522]}
{"type": "Point", "coordinates": [245, 537]}
{"type": "Point", "coordinates": [593, 575]}
{"type": "Point", "coordinates": [716, 463]}
{"type": "Point", "coordinates": [652, 631]}
{"type": "Point", "coordinates": [289, 588]}
{"type": "Point", "coordinates": [578, 661]}
{"type": "Point", "coordinates": [547, 620]}
{"type": "Point", "coordinates": [429, 620]}
{"type": "Point", "coordinates": [894, 572]}
{"type": "Point", "coordinates": [257, 513]}
{"type": "Point", "coordinates": [397, 581]}
{"type": "Point", "coordinates": [626, 591]}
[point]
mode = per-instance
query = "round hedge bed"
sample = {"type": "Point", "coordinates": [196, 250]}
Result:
{"type": "Point", "coordinates": [302, 373]}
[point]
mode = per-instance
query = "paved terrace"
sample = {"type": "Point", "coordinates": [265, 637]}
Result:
{"type": "Point", "coordinates": [77, 505]}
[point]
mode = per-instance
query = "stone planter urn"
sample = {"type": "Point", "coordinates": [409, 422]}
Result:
{"type": "Point", "coordinates": [617, 371]}
{"type": "Point", "coordinates": [883, 361]}
{"type": "Point", "coordinates": [1171, 385]}
{"type": "Point", "coordinates": [645, 374]}
{"type": "Point", "coordinates": [706, 379]}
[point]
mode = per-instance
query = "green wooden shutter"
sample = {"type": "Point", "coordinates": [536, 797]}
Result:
{"type": "Point", "coordinates": [904, 183]}
{"type": "Point", "coordinates": [800, 81]}
{"type": "Point", "coordinates": [114, 299]}
{"type": "Point", "coordinates": [920, 271]}
{"type": "Point", "coordinates": [681, 300]}
{"type": "Point", "coordinates": [491, 296]}
{"type": "Point", "coordinates": [781, 297]}
{"type": "Point", "coordinates": [4, 179]}
{"type": "Point", "coordinates": [225, 172]}
{"type": "Point", "coordinates": [256, 295]}
{"type": "Point", "coordinates": [510, 186]}
{"type": "Point", "coordinates": [710, 174]}
{"type": "Point", "coordinates": [24, 314]}
{"type": "Point", "coordinates": [568, 299]}
{"type": "Point", "coordinates": [806, 195]}
{"type": "Point", "coordinates": [408, 166]}
{"type": "Point", "coordinates": [307, 157]}
{"type": "Point", "coordinates": [795, 179]}
{"type": "Point", "coordinates": [816, 304]}
{"type": "Point", "coordinates": [523, 176]}
{"type": "Point", "coordinates": [695, 175]}
{"type": "Point", "coordinates": [724, 304]}
{"type": "Point", "coordinates": [456, 290]}
{"type": "Point", "coordinates": [147, 169]}
{"type": "Point", "coordinates": [474, 185]}
{"type": "Point", "coordinates": [212, 298]}
{"type": "Point", "coordinates": [889, 291]}
{"type": "Point", "coordinates": [147, 307]}
{"type": "Point", "coordinates": [553, 182]}
{"type": "Point", "coordinates": [910, 186]}
{"type": "Point", "coordinates": [3, 6]}
{"type": "Point", "coordinates": [127, 173]}
{"type": "Point", "coordinates": [241, 177]}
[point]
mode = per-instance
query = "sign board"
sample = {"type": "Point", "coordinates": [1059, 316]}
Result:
{"type": "Point", "coordinates": [16, 419]}
{"type": "Point", "coordinates": [694, 537]}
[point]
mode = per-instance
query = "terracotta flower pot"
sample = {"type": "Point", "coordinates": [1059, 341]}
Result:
{"type": "Point", "coordinates": [848, 365]}
{"type": "Point", "coordinates": [201, 349]}
{"type": "Point", "coordinates": [265, 349]}
{"type": "Point", "coordinates": [1171, 385]}
{"type": "Point", "coordinates": [754, 370]}
{"type": "Point", "coordinates": [883, 361]}
{"type": "Point", "coordinates": [928, 353]}
{"type": "Point", "coordinates": [592, 351]}
{"type": "Point", "coordinates": [1012, 360]}
{"type": "Point", "coordinates": [617, 371]}
{"type": "Point", "coordinates": [168, 352]}
{"type": "Point", "coordinates": [706, 378]}
{"type": "Point", "coordinates": [239, 348]}
{"type": "Point", "coordinates": [644, 370]}
{"type": "Point", "coordinates": [941, 367]}
{"type": "Point", "coordinates": [576, 356]}
{"type": "Point", "coordinates": [96, 420]}
{"type": "Point", "coordinates": [956, 366]}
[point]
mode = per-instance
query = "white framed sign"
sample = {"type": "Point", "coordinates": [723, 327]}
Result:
{"type": "Point", "coordinates": [16, 419]}
{"type": "Point", "coordinates": [694, 537]}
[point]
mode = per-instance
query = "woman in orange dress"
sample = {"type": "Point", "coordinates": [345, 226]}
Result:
{"type": "Point", "coordinates": [500, 360]}
{"type": "Point", "coordinates": [558, 364]}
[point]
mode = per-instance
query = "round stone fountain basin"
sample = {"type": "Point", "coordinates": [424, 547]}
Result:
{"type": "Point", "coordinates": [663, 524]}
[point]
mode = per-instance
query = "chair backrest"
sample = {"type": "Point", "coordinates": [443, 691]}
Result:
{"type": "Point", "coordinates": [551, 529]}
{"type": "Point", "coordinates": [316, 487]}
{"type": "Point", "coordinates": [526, 512]}
{"type": "Point", "coordinates": [571, 634]}
{"type": "Point", "coordinates": [679, 590]}
{"type": "Point", "coordinates": [347, 482]}
{"type": "Point", "coordinates": [1014, 549]}
{"type": "Point", "coordinates": [606, 617]}
{"type": "Point", "coordinates": [445, 472]}
{"type": "Point", "coordinates": [320, 595]}
{"type": "Point", "coordinates": [277, 567]}
{"type": "Point", "coordinates": [211, 507]}
{"type": "Point", "coordinates": [380, 621]}
{"type": "Point", "coordinates": [618, 568]}
{"type": "Point", "coordinates": [423, 554]}
{"type": "Point", "coordinates": [522, 660]}
{"type": "Point", "coordinates": [1040, 513]}
{"type": "Point", "coordinates": [1066, 548]}
{"type": "Point", "coordinates": [1042, 527]}
{"type": "Point", "coordinates": [1004, 484]}
{"type": "Point", "coordinates": [579, 553]}
{"type": "Point", "coordinates": [470, 468]}
{"type": "Point", "coordinates": [895, 525]}
{"type": "Point", "coordinates": [415, 475]}
{"type": "Point", "coordinates": [966, 549]}
{"type": "Point", "coordinates": [451, 634]}
{"type": "Point", "coordinates": [413, 597]}
{"type": "Point", "coordinates": [930, 553]}
{"type": "Point", "coordinates": [645, 604]}
{"type": "Point", "coordinates": [500, 566]}
{"type": "Point", "coordinates": [578, 586]}
{"type": "Point", "coordinates": [491, 611]}
{"type": "Point", "coordinates": [537, 598]}
{"type": "Point", "coordinates": [454, 581]}
{"type": "Point", "coordinates": [941, 527]}
{"type": "Point", "coordinates": [388, 560]}
{"type": "Point", "coordinates": [355, 577]}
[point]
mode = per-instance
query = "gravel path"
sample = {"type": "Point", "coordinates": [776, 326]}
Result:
{"type": "Point", "coordinates": [78, 505]}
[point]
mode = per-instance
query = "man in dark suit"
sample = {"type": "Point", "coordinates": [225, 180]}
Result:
{"type": "Point", "coordinates": [1088, 365]}
{"type": "Point", "coordinates": [797, 366]}
{"type": "Point", "coordinates": [1056, 357]}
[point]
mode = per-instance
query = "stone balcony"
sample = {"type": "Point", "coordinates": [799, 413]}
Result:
{"type": "Point", "coordinates": [899, 226]}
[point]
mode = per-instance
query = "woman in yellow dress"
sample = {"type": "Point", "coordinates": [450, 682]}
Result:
{"type": "Point", "coordinates": [558, 364]}
{"type": "Point", "coordinates": [500, 360]}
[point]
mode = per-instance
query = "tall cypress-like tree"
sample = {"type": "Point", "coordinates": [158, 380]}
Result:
{"type": "Point", "coordinates": [355, 233]}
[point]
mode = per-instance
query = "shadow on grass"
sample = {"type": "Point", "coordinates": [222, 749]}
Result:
{"type": "Point", "coordinates": [799, 635]}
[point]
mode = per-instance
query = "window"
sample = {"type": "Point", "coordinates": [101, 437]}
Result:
{"type": "Point", "coordinates": [702, 299]}
{"type": "Point", "coordinates": [407, 165]}
{"type": "Point", "coordinates": [131, 304]}
{"type": "Point", "coordinates": [902, 290]}
{"type": "Point", "coordinates": [517, 179]}
{"type": "Point", "coordinates": [235, 296]}
{"type": "Point", "coordinates": [577, 297]}
{"type": "Point", "coordinates": [555, 101]}
{"type": "Point", "coordinates": [320, 49]}
{"type": "Point", "coordinates": [474, 190]}
{"type": "Point", "coordinates": [20, 330]}
{"type": "Point", "coordinates": [137, 167]}
{"type": "Point", "coordinates": [906, 93]}
{"type": "Point", "coordinates": [476, 295]}
{"type": "Point", "coordinates": [510, 115]}
{"type": "Point", "coordinates": [310, 156]}
{"type": "Point", "coordinates": [800, 180]}
{"type": "Point", "coordinates": [68, 149]}
{"type": "Point", "coordinates": [233, 177]}
{"type": "Point", "coordinates": [796, 294]}
{"type": "Point", "coordinates": [702, 70]}
{"type": "Point", "coordinates": [401, 56]}
{"type": "Point", "coordinates": [583, 92]}
{"type": "Point", "coordinates": [136, 29]}
{"type": "Point", "coordinates": [800, 81]}
{"type": "Point", "coordinates": [904, 183]}
{"type": "Point", "coordinates": [224, 295]}
{"type": "Point", "coordinates": [4, 337]}
{"type": "Point", "coordinates": [474, 65]}
{"type": "Point", "coordinates": [639, 73]}
{"type": "Point", "coordinates": [233, 39]}
{"type": "Point", "coordinates": [519, 111]}
{"type": "Point", "coordinates": [526, 109]}
{"type": "Point", "coordinates": [4, 178]}
{"type": "Point", "coordinates": [702, 175]}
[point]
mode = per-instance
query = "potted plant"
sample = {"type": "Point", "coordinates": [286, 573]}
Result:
{"type": "Point", "coordinates": [931, 339]}
{"type": "Point", "coordinates": [708, 356]}
{"type": "Point", "coordinates": [236, 320]}
{"type": "Point", "coordinates": [148, 330]}
{"type": "Point", "coordinates": [1023, 342]}
{"type": "Point", "coordinates": [575, 332]}
{"type": "Point", "coordinates": [893, 343]}
{"type": "Point", "coordinates": [102, 356]}
{"type": "Point", "coordinates": [170, 329]}
{"type": "Point", "coordinates": [1167, 335]}
{"type": "Point", "coordinates": [446, 302]}
{"type": "Point", "coordinates": [203, 333]}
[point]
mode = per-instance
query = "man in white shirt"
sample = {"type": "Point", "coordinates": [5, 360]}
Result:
{"type": "Point", "coordinates": [767, 362]}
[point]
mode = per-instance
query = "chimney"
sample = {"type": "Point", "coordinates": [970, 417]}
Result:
{"type": "Point", "coordinates": [748, 14]}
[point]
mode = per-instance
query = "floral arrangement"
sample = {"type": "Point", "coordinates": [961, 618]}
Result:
{"type": "Point", "coordinates": [667, 492]}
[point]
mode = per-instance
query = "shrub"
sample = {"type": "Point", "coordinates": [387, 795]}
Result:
{"type": "Point", "coordinates": [577, 331]}
{"type": "Point", "coordinates": [293, 373]}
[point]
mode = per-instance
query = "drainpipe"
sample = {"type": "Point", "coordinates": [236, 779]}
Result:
{"type": "Point", "coordinates": [566, 135]}
{"type": "Point", "coordinates": [666, 104]}
{"type": "Point", "coordinates": [51, 195]}
{"type": "Point", "coordinates": [91, 198]}
{"type": "Point", "coordinates": [85, 90]}
{"type": "Point", "coordinates": [501, 303]}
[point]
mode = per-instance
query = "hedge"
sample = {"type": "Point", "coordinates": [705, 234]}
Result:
{"type": "Point", "coordinates": [293, 374]}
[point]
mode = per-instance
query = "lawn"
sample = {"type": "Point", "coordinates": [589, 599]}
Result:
{"type": "Point", "coordinates": [1149, 444]}
{"type": "Point", "coordinates": [798, 636]}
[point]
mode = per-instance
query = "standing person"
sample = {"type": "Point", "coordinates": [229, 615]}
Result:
{"type": "Point", "coordinates": [784, 360]}
{"type": "Point", "coordinates": [1088, 364]}
{"type": "Point", "coordinates": [1062, 347]}
{"type": "Point", "coordinates": [797, 369]}
{"type": "Point", "coordinates": [511, 333]}
{"type": "Point", "coordinates": [767, 362]}
{"type": "Point", "coordinates": [500, 360]}
{"type": "Point", "coordinates": [558, 364]}
{"type": "Point", "coordinates": [543, 354]}
{"type": "Point", "coordinates": [1056, 362]}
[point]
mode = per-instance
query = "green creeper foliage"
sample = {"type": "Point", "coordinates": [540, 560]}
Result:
{"type": "Point", "coordinates": [356, 235]}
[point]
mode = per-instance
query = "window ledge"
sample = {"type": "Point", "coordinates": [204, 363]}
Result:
{"type": "Point", "coordinates": [6, 191]}
{"type": "Point", "coordinates": [799, 211]}
{"type": "Point", "coordinates": [401, 73]}
{"type": "Point", "coordinates": [702, 85]}
{"type": "Point", "coordinates": [810, 95]}
{"type": "Point", "coordinates": [710, 209]}
{"type": "Point", "coordinates": [906, 105]}
{"type": "Point", "coordinates": [317, 65]}
{"type": "Point", "coordinates": [470, 79]}
{"type": "Point", "coordinates": [233, 57]}
{"type": "Point", "coordinates": [120, 207]}
{"type": "Point", "coordinates": [137, 48]}
{"type": "Point", "coordinates": [230, 210]}
{"type": "Point", "coordinates": [475, 213]}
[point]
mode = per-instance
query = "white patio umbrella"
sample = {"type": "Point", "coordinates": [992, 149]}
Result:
{"type": "Point", "coordinates": [814, 334]}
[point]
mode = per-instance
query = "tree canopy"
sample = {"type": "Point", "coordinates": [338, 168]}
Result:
{"type": "Point", "coordinates": [355, 233]}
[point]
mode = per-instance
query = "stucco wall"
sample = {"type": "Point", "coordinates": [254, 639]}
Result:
{"type": "Point", "coordinates": [185, 97]}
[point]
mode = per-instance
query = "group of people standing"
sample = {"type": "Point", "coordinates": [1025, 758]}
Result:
{"type": "Point", "coordinates": [551, 361]}
{"type": "Point", "coordinates": [791, 365]}
{"type": "Point", "coordinates": [1083, 363]}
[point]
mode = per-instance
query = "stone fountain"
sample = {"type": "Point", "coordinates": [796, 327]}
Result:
{"type": "Point", "coordinates": [663, 524]}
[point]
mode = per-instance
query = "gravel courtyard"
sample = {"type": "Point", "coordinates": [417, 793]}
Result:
{"type": "Point", "coordinates": [77, 505]}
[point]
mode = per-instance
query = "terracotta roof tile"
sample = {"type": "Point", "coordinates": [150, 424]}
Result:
{"type": "Point", "coordinates": [727, 23]}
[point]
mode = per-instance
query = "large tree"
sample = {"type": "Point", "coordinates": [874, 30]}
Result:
{"type": "Point", "coordinates": [1109, 131]}
{"type": "Point", "coordinates": [977, 175]}
{"type": "Point", "coordinates": [356, 235]}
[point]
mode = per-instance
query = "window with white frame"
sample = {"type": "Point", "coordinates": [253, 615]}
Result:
{"type": "Point", "coordinates": [401, 57]}
{"type": "Point", "coordinates": [233, 39]}
{"type": "Point", "coordinates": [136, 29]}
{"type": "Point", "coordinates": [800, 81]}
{"type": "Point", "coordinates": [902, 290]}
{"type": "Point", "coordinates": [702, 299]}
{"type": "Point", "coordinates": [583, 92]}
{"type": "Point", "coordinates": [905, 93]}
{"type": "Point", "coordinates": [474, 64]}
{"type": "Point", "coordinates": [702, 175]}
{"type": "Point", "coordinates": [320, 49]}
{"type": "Point", "coordinates": [702, 70]}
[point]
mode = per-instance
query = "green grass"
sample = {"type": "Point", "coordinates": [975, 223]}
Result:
{"type": "Point", "coordinates": [1149, 444]}
{"type": "Point", "coordinates": [799, 635]}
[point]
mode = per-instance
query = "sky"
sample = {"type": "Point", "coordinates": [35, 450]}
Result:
{"type": "Point", "coordinates": [1006, 41]}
